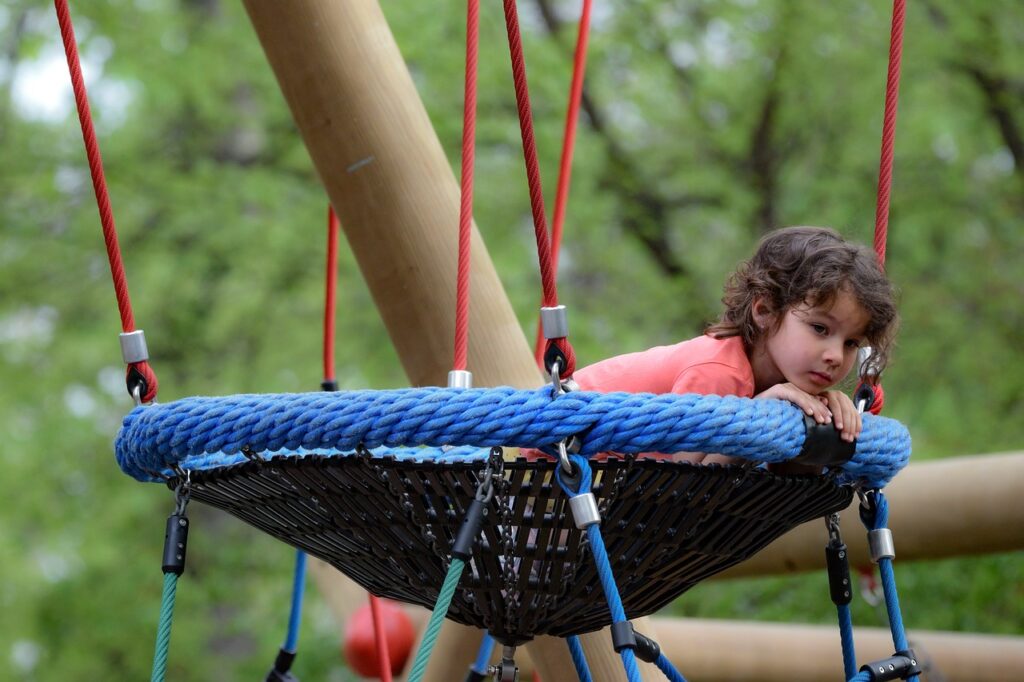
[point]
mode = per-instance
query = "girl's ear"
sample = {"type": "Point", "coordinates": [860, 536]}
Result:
{"type": "Point", "coordinates": [763, 314]}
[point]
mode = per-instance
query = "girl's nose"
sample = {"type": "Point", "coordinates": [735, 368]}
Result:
{"type": "Point", "coordinates": [833, 354]}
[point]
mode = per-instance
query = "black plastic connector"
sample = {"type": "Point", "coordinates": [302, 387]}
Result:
{"type": "Point", "coordinates": [647, 649]}
{"type": "Point", "coordinates": [329, 385]}
{"type": "Point", "coordinates": [899, 666]}
{"type": "Point", "coordinates": [281, 672]}
{"type": "Point", "coordinates": [865, 393]}
{"type": "Point", "coordinates": [623, 636]}
{"type": "Point", "coordinates": [175, 544]}
{"type": "Point", "coordinates": [469, 530]}
{"type": "Point", "coordinates": [552, 355]}
{"type": "Point", "coordinates": [135, 382]}
{"type": "Point", "coordinates": [823, 445]}
{"type": "Point", "coordinates": [474, 676]}
{"type": "Point", "coordinates": [838, 563]}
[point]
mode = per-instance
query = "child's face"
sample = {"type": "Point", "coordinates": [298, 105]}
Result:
{"type": "Point", "coordinates": [814, 347]}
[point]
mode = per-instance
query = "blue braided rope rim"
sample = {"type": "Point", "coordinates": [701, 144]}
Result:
{"type": "Point", "coordinates": [204, 433]}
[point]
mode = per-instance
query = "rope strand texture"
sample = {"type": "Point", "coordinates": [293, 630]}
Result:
{"type": "Point", "coordinates": [212, 430]}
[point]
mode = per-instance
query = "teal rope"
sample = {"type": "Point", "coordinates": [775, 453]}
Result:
{"type": "Point", "coordinates": [444, 600]}
{"type": "Point", "coordinates": [163, 634]}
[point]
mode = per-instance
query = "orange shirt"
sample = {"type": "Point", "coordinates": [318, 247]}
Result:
{"type": "Point", "coordinates": [704, 365]}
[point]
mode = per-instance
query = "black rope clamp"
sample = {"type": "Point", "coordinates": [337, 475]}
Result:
{"type": "Point", "coordinates": [462, 548]}
{"type": "Point", "coordinates": [176, 533]}
{"type": "Point", "coordinates": [837, 562]}
{"type": "Point", "coordinates": [281, 672]}
{"type": "Point", "coordinates": [868, 506]}
{"type": "Point", "coordinates": [625, 637]}
{"type": "Point", "coordinates": [137, 386]}
{"type": "Point", "coordinates": [864, 397]}
{"type": "Point", "coordinates": [900, 666]}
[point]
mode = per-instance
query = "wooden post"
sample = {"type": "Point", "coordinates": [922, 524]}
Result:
{"type": "Point", "coordinates": [961, 506]}
{"type": "Point", "coordinates": [726, 651]}
{"type": "Point", "coordinates": [389, 181]}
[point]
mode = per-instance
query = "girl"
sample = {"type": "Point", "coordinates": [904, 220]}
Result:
{"type": "Point", "coordinates": [795, 315]}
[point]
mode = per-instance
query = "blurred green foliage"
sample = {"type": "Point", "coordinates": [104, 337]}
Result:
{"type": "Point", "coordinates": [705, 124]}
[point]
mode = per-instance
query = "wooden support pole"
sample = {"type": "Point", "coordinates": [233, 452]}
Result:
{"type": "Point", "coordinates": [389, 181]}
{"type": "Point", "coordinates": [727, 651]}
{"type": "Point", "coordinates": [961, 506]}
{"type": "Point", "coordinates": [706, 650]}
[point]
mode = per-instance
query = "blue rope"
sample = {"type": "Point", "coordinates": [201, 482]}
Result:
{"type": "Point", "coordinates": [199, 433]}
{"type": "Point", "coordinates": [291, 641]}
{"type": "Point", "coordinates": [604, 567]}
{"type": "Point", "coordinates": [888, 576]}
{"type": "Point", "coordinates": [444, 600]}
{"type": "Point", "coordinates": [846, 635]}
{"type": "Point", "coordinates": [861, 677]}
{"type": "Point", "coordinates": [483, 655]}
{"type": "Point", "coordinates": [666, 667]}
{"type": "Point", "coordinates": [579, 659]}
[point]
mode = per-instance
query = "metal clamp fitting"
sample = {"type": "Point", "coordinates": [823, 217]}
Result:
{"type": "Point", "coordinates": [133, 347]}
{"type": "Point", "coordinates": [460, 378]}
{"type": "Point", "coordinates": [584, 510]}
{"type": "Point", "coordinates": [880, 545]}
{"type": "Point", "coordinates": [555, 322]}
{"type": "Point", "coordinates": [900, 666]}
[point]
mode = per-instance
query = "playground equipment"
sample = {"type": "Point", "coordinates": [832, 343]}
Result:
{"type": "Point", "coordinates": [365, 169]}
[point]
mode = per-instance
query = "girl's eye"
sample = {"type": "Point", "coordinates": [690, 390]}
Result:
{"type": "Point", "coordinates": [819, 328]}
{"type": "Point", "coordinates": [852, 343]}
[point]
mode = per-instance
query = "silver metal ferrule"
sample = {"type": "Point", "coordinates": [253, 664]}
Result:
{"type": "Point", "coordinates": [584, 510]}
{"type": "Point", "coordinates": [880, 545]}
{"type": "Point", "coordinates": [555, 322]}
{"type": "Point", "coordinates": [863, 355]}
{"type": "Point", "coordinates": [460, 378]}
{"type": "Point", "coordinates": [133, 347]}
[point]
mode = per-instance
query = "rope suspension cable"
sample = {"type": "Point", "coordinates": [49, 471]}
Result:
{"type": "Point", "coordinates": [869, 393]}
{"type": "Point", "coordinates": [586, 516]}
{"type": "Point", "coordinates": [478, 669]}
{"type": "Point", "coordinates": [568, 147]}
{"type": "Point", "coordinates": [557, 345]}
{"type": "Point", "coordinates": [380, 637]}
{"type": "Point", "coordinates": [141, 379]}
{"type": "Point", "coordinates": [579, 658]}
{"type": "Point", "coordinates": [466, 194]}
{"type": "Point", "coordinates": [330, 383]}
{"type": "Point", "coordinates": [163, 634]}
{"type": "Point", "coordinates": [892, 89]}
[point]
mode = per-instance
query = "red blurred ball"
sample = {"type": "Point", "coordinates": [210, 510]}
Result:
{"type": "Point", "coordinates": [361, 648]}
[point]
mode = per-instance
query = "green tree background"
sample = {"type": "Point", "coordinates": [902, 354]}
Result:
{"type": "Point", "coordinates": [705, 124]}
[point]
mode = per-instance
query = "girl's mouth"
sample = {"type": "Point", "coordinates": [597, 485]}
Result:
{"type": "Point", "coordinates": [821, 378]}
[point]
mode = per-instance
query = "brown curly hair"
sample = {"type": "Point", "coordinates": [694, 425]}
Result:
{"type": "Point", "coordinates": [809, 265]}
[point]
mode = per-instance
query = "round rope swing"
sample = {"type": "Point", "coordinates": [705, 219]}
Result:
{"type": "Point", "coordinates": [411, 494]}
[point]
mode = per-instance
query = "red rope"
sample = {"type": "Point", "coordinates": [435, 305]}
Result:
{"type": "Point", "coordinates": [568, 146]}
{"type": "Point", "coordinates": [549, 287]}
{"type": "Point", "coordinates": [99, 184]}
{"type": "Point", "coordinates": [466, 207]}
{"type": "Point", "coordinates": [381, 638]}
{"type": "Point", "coordinates": [331, 279]}
{"type": "Point", "coordinates": [892, 89]}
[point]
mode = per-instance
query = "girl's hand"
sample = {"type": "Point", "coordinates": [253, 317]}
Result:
{"type": "Point", "coordinates": [812, 405]}
{"type": "Point", "coordinates": [845, 414]}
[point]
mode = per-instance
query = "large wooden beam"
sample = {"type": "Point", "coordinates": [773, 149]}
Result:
{"type": "Point", "coordinates": [728, 651]}
{"type": "Point", "coordinates": [387, 176]}
{"type": "Point", "coordinates": [961, 506]}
